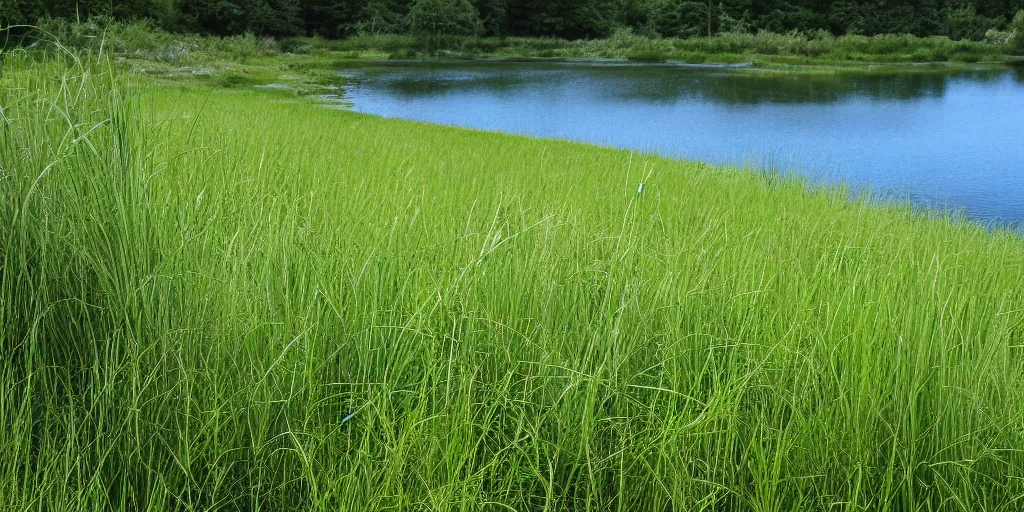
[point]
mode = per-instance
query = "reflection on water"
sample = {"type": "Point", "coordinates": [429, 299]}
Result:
{"type": "Point", "coordinates": [942, 139]}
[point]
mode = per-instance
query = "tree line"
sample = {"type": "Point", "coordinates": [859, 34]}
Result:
{"type": "Point", "coordinates": [571, 19]}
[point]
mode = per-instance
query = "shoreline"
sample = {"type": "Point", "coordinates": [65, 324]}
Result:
{"type": "Point", "coordinates": [882, 198]}
{"type": "Point", "coordinates": [312, 73]}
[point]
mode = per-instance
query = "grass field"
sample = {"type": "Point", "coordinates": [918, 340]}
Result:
{"type": "Point", "coordinates": [239, 300]}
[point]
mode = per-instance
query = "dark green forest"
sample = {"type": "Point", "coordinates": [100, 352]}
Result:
{"type": "Point", "coordinates": [572, 19]}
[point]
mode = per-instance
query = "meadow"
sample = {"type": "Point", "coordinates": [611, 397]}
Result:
{"type": "Point", "coordinates": [230, 299]}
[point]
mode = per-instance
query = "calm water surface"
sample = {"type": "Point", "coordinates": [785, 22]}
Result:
{"type": "Point", "coordinates": [948, 140]}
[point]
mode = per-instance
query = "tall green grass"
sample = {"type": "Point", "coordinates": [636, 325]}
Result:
{"type": "Point", "coordinates": [226, 300]}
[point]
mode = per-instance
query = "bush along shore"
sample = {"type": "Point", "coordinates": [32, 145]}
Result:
{"type": "Point", "coordinates": [209, 300]}
{"type": "Point", "coordinates": [143, 42]}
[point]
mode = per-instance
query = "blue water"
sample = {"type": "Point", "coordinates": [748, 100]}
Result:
{"type": "Point", "coordinates": [942, 139]}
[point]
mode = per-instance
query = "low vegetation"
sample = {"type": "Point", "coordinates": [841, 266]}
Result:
{"type": "Point", "coordinates": [765, 47]}
{"type": "Point", "coordinates": [242, 300]}
{"type": "Point", "coordinates": [308, 64]}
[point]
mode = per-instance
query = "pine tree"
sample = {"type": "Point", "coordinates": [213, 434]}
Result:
{"type": "Point", "coordinates": [493, 16]}
{"type": "Point", "coordinates": [379, 17]}
{"type": "Point", "coordinates": [287, 20]}
{"type": "Point", "coordinates": [319, 17]}
{"type": "Point", "coordinates": [443, 17]}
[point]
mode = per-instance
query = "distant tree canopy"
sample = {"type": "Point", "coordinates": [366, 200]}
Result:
{"type": "Point", "coordinates": [958, 19]}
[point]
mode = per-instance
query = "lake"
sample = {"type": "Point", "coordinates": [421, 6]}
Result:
{"type": "Point", "coordinates": [938, 138]}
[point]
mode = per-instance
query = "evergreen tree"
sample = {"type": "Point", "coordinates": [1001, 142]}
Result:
{"type": "Point", "coordinates": [680, 18]}
{"type": "Point", "coordinates": [220, 17]}
{"type": "Point", "coordinates": [163, 12]}
{"type": "Point", "coordinates": [21, 12]}
{"type": "Point", "coordinates": [319, 17]}
{"type": "Point", "coordinates": [564, 18]}
{"type": "Point", "coordinates": [281, 18]}
{"type": "Point", "coordinates": [443, 17]}
{"type": "Point", "coordinates": [493, 16]}
{"type": "Point", "coordinates": [591, 18]}
{"type": "Point", "coordinates": [380, 17]}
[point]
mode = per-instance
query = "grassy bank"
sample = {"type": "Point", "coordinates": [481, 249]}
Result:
{"type": "Point", "coordinates": [155, 51]}
{"type": "Point", "coordinates": [240, 300]}
{"type": "Point", "coordinates": [309, 65]}
{"type": "Point", "coordinates": [762, 48]}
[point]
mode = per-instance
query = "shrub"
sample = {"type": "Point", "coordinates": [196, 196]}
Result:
{"type": "Point", "coordinates": [231, 79]}
{"type": "Point", "coordinates": [646, 56]}
{"type": "Point", "coordinates": [1000, 37]}
{"type": "Point", "coordinates": [1017, 25]}
{"type": "Point", "coordinates": [85, 35]}
{"type": "Point", "coordinates": [244, 47]}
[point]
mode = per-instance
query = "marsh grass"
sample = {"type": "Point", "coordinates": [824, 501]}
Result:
{"type": "Point", "coordinates": [219, 300]}
{"type": "Point", "coordinates": [142, 41]}
{"type": "Point", "coordinates": [761, 48]}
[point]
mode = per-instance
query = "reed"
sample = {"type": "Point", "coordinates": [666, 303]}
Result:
{"type": "Point", "coordinates": [238, 300]}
